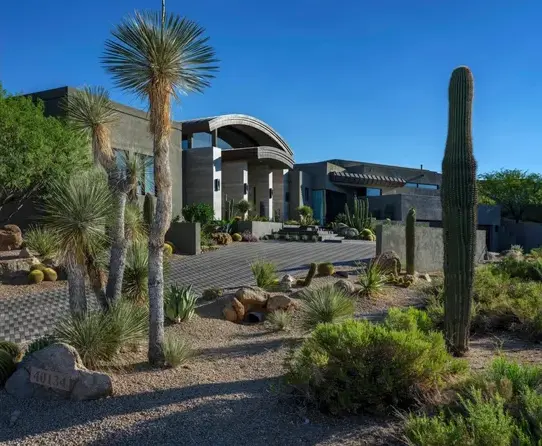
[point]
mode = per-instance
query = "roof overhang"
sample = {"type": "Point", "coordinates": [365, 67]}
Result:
{"type": "Point", "coordinates": [272, 156]}
{"type": "Point", "coordinates": [365, 180]}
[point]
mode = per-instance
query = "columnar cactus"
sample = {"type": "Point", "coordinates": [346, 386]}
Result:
{"type": "Point", "coordinates": [360, 217]}
{"type": "Point", "coordinates": [411, 241]}
{"type": "Point", "coordinates": [310, 274]}
{"type": "Point", "coordinates": [459, 201]}
{"type": "Point", "coordinates": [148, 209]}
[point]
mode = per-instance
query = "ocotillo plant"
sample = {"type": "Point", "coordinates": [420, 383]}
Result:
{"type": "Point", "coordinates": [359, 218]}
{"type": "Point", "coordinates": [458, 197]}
{"type": "Point", "coordinates": [410, 236]}
{"type": "Point", "coordinates": [148, 209]}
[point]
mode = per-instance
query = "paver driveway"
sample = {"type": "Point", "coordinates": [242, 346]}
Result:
{"type": "Point", "coordinates": [27, 317]}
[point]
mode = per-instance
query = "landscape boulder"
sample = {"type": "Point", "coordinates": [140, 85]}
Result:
{"type": "Point", "coordinates": [351, 233]}
{"type": "Point", "coordinates": [11, 238]}
{"type": "Point", "coordinates": [279, 302]}
{"type": "Point", "coordinates": [239, 309]}
{"type": "Point", "coordinates": [62, 375]}
{"type": "Point", "coordinates": [389, 262]}
{"type": "Point", "coordinates": [252, 297]}
{"type": "Point", "coordinates": [229, 312]}
{"type": "Point", "coordinates": [345, 285]}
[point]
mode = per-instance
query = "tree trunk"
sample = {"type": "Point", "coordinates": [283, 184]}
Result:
{"type": "Point", "coordinates": [159, 227]}
{"type": "Point", "coordinates": [98, 280]}
{"type": "Point", "coordinates": [119, 247]}
{"type": "Point", "coordinates": [76, 289]}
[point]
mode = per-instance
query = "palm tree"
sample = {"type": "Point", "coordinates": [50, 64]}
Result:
{"type": "Point", "coordinates": [77, 210]}
{"type": "Point", "coordinates": [159, 58]}
{"type": "Point", "coordinates": [91, 110]}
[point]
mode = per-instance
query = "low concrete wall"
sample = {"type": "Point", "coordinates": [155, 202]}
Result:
{"type": "Point", "coordinates": [429, 245]}
{"type": "Point", "coordinates": [186, 237]}
{"type": "Point", "coordinates": [258, 228]}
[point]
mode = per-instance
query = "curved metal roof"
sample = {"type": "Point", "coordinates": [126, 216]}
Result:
{"type": "Point", "coordinates": [215, 122]}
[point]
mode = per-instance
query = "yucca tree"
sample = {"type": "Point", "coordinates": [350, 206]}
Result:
{"type": "Point", "coordinates": [136, 167]}
{"type": "Point", "coordinates": [91, 110]}
{"type": "Point", "coordinates": [158, 58]}
{"type": "Point", "coordinates": [77, 210]}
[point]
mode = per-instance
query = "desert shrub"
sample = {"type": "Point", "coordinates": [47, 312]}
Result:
{"type": "Point", "coordinates": [7, 366]}
{"type": "Point", "coordinates": [249, 237]}
{"type": "Point", "coordinates": [372, 279]}
{"type": "Point", "coordinates": [243, 206]}
{"type": "Point", "coordinates": [237, 237]}
{"type": "Point", "coordinates": [131, 321]}
{"type": "Point", "coordinates": [326, 304]}
{"type": "Point", "coordinates": [135, 227]}
{"type": "Point", "coordinates": [222, 238]}
{"type": "Point", "coordinates": [264, 272]}
{"type": "Point", "coordinates": [326, 269]}
{"type": "Point", "coordinates": [12, 348]}
{"type": "Point", "coordinates": [408, 319]}
{"type": "Point", "coordinates": [212, 293]}
{"type": "Point", "coordinates": [168, 249]}
{"type": "Point", "coordinates": [35, 276]}
{"type": "Point", "coordinates": [357, 365]}
{"type": "Point", "coordinates": [37, 266]}
{"type": "Point", "coordinates": [180, 303]}
{"type": "Point", "coordinates": [521, 268]}
{"type": "Point", "coordinates": [280, 319]}
{"type": "Point", "coordinates": [136, 272]}
{"type": "Point", "coordinates": [536, 252]}
{"type": "Point", "coordinates": [40, 343]}
{"type": "Point", "coordinates": [305, 215]}
{"type": "Point", "coordinates": [49, 275]}
{"type": "Point", "coordinates": [42, 241]}
{"type": "Point", "coordinates": [200, 212]}
{"type": "Point", "coordinates": [292, 222]}
{"type": "Point", "coordinates": [176, 351]}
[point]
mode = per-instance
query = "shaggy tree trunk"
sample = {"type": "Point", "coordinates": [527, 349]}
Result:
{"type": "Point", "coordinates": [98, 279]}
{"type": "Point", "coordinates": [159, 227]}
{"type": "Point", "coordinates": [76, 289]}
{"type": "Point", "coordinates": [119, 246]}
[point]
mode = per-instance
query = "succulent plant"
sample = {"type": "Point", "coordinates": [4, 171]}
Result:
{"type": "Point", "coordinates": [459, 201]}
{"type": "Point", "coordinates": [179, 303]}
{"type": "Point", "coordinates": [7, 366]}
{"type": "Point", "coordinates": [148, 209]}
{"type": "Point", "coordinates": [50, 275]}
{"type": "Point", "coordinates": [310, 274]}
{"type": "Point", "coordinates": [410, 235]}
{"type": "Point", "coordinates": [237, 237]}
{"type": "Point", "coordinates": [326, 269]}
{"type": "Point", "coordinates": [12, 348]}
{"type": "Point", "coordinates": [367, 234]}
{"type": "Point", "coordinates": [168, 249]}
{"type": "Point", "coordinates": [37, 266]}
{"type": "Point", "coordinates": [35, 276]}
{"type": "Point", "coordinates": [359, 218]}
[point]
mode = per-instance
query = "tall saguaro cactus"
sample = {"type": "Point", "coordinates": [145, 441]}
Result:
{"type": "Point", "coordinates": [411, 241]}
{"type": "Point", "coordinates": [459, 200]}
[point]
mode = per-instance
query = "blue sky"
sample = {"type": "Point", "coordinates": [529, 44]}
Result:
{"type": "Point", "coordinates": [353, 79]}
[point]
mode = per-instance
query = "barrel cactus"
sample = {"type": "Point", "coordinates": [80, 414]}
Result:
{"type": "Point", "coordinates": [148, 209]}
{"type": "Point", "coordinates": [410, 231]}
{"type": "Point", "coordinates": [459, 200]}
{"type": "Point", "coordinates": [50, 275]}
{"type": "Point", "coordinates": [237, 237]}
{"type": "Point", "coordinates": [37, 266]}
{"type": "Point", "coordinates": [35, 276]}
{"type": "Point", "coordinates": [310, 274]}
{"type": "Point", "coordinates": [326, 269]}
{"type": "Point", "coordinates": [7, 366]}
{"type": "Point", "coordinates": [168, 249]}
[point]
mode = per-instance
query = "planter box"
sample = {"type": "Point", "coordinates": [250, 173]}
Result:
{"type": "Point", "coordinates": [186, 237]}
{"type": "Point", "coordinates": [258, 228]}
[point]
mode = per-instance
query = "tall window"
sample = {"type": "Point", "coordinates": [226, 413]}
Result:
{"type": "Point", "coordinates": [307, 192]}
{"type": "Point", "coordinates": [373, 192]}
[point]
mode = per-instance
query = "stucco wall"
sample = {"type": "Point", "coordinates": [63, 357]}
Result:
{"type": "Point", "coordinates": [526, 234]}
{"type": "Point", "coordinates": [429, 245]}
{"type": "Point", "coordinates": [199, 173]}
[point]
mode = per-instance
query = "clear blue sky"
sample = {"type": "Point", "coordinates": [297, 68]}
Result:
{"type": "Point", "coordinates": [356, 79]}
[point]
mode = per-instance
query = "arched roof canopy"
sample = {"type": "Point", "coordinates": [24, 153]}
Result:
{"type": "Point", "coordinates": [254, 131]}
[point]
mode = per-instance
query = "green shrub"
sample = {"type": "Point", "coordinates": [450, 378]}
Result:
{"type": "Point", "coordinates": [135, 227]}
{"type": "Point", "coordinates": [243, 207]}
{"type": "Point", "coordinates": [280, 319]}
{"type": "Point", "coordinates": [372, 279]}
{"type": "Point", "coordinates": [168, 249]}
{"type": "Point", "coordinates": [40, 343]}
{"type": "Point", "coordinates": [264, 272]}
{"type": "Point", "coordinates": [37, 266]}
{"type": "Point", "coordinates": [12, 348]}
{"type": "Point", "coordinates": [136, 272]}
{"type": "Point", "coordinates": [7, 366]}
{"type": "Point", "coordinates": [35, 276]}
{"type": "Point", "coordinates": [326, 269]}
{"type": "Point", "coordinates": [326, 304]}
{"type": "Point", "coordinates": [201, 212]}
{"type": "Point", "coordinates": [176, 351]}
{"type": "Point", "coordinates": [521, 268]}
{"type": "Point", "coordinates": [179, 303]}
{"type": "Point", "coordinates": [42, 241]}
{"type": "Point", "coordinates": [237, 237]}
{"type": "Point", "coordinates": [49, 275]}
{"type": "Point", "coordinates": [212, 293]}
{"type": "Point", "coordinates": [408, 319]}
{"type": "Point", "coordinates": [422, 430]}
{"type": "Point", "coordinates": [130, 320]}
{"type": "Point", "coordinates": [357, 365]}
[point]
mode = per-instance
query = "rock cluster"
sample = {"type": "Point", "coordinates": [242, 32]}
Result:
{"type": "Point", "coordinates": [254, 300]}
{"type": "Point", "coordinates": [11, 238]}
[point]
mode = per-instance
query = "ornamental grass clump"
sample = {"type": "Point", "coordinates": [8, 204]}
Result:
{"type": "Point", "coordinates": [326, 304]}
{"type": "Point", "coordinates": [176, 351]}
{"type": "Point", "coordinates": [43, 241]}
{"type": "Point", "coordinates": [265, 273]}
{"type": "Point", "coordinates": [372, 279]}
{"type": "Point", "coordinates": [280, 320]}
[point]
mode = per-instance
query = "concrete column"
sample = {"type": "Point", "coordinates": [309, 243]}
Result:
{"type": "Point", "coordinates": [234, 178]}
{"type": "Point", "coordinates": [278, 193]}
{"type": "Point", "coordinates": [214, 138]}
{"type": "Point", "coordinates": [260, 181]}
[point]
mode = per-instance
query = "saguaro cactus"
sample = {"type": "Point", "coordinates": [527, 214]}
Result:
{"type": "Point", "coordinates": [411, 241]}
{"type": "Point", "coordinates": [148, 209]}
{"type": "Point", "coordinates": [458, 197]}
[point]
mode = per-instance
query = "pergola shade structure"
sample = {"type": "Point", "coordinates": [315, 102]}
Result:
{"type": "Point", "coordinates": [365, 180]}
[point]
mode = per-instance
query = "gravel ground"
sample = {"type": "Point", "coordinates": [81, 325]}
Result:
{"type": "Point", "coordinates": [231, 393]}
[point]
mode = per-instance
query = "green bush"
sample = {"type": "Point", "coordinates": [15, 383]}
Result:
{"type": "Point", "coordinates": [42, 241]}
{"type": "Point", "coordinates": [521, 268]}
{"type": "Point", "coordinates": [50, 275]}
{"type": "Point", "coordinates": [201, 213]}
{"type": "Point", "coordinates": [326, 269]}
{"type": "Point", "coordinates": [372, 279]}
{"type": "Point", "coordinates": [357, 365]}
{"type": "Point", "coordinates": [264, 272]}
{"type": "Point", "coordinates": [326, 304]}
{"type": "Point", "coordinates": [408, 319]}
{"type": "Point", "coordinates": [243, 207]}
{"type": "Point", "coordinates": [136, 272]}
{"type": "Point", "coordinates": [305, 215]}
{"type": "Point", "coordinates": [176, 351]}
{"type": "Point", "coordinates": [7, 366]}
{"type": "Point", "coordinates": [40, 343]}
{"type": "Point", "coordinates": [180, 303]}
{"type": "Point", "coordinates": [12, 348]}
{"type": "Point", "coordinates": [280, 319]}
{"type": "Point", "coordinates": [35, 276]}
{"type": "Point", "coordinates": [237, 237]}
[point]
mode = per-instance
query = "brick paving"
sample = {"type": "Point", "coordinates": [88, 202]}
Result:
{"type": "Point", "coordinates": [26, 317]}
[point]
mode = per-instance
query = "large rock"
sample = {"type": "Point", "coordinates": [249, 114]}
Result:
{"type": "Point", "coordinates": [80, 383]}
{"type": "Point", "coordinates": [10, 268]}
{"type": "Point", "coordinates": [229, 313]}
{"type": "Point", "coordinates": [286, 282]}
{"type": "Point", "coordinates": [252, 297]}
{"type": "Point", "coordinates": [279, 302]}
{"type": "Point", "coordinates": [345, 285]}
{"type": "Point", "coordinates": [239, 309]}
{"type": "Point", "coordinates": [351, 233]}
{"type": "Point", "coordinates": [389, 262]}
{"type": "Point", "coordinates": [10, 238]}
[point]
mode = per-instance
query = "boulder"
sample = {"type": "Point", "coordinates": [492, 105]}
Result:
{"type": "Point", "coordinates": [61, 368]}
{"type": "Point", "coordinates": [345, 285]}
{"type": "Point", "coordinates": [10, 268]}
{"type": "Point", "coordinates": [229, 313]}
{"type": "Point", "coordinates": [10, 238]}
{"type": "Point", "coordinates": [341, 229]}
{"type": "Point", "coordinates": [252, 297]}
{"type": "Point", "coordinates": [286, 282]}
{"type": "Point", "coordinates": [239, 309]}
{"type": "Point", "coordinates": [279, 302]}
{"type": "Point", "coordinates": [351, 233]}
{"type": "Point", "coordinates": [389, 262]}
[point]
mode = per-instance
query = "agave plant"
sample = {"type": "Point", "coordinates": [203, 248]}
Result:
{"type": "Point", "coordinates": [180, 303]}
